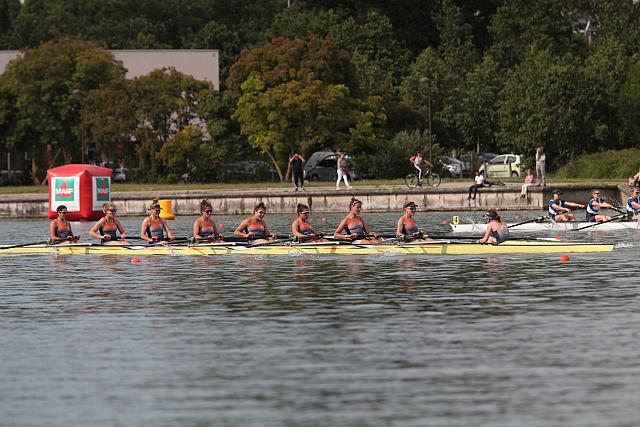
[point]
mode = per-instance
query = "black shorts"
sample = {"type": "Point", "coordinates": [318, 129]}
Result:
{"type": "Point", "coordinates": [591, 217]}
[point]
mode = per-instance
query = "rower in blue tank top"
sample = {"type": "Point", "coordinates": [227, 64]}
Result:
{"type": "Point", "coordinates": [633, 205]}
{"type": "Point", "coordinates": [354, 226]}
{"type": "Point", "coordinates": [557, 208]}
{"type": "Point", "coordinates": [594, 206]}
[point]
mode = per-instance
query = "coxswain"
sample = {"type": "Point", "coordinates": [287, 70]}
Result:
{"type": "Point", "coordinates": [204, 228]}
{"type": "Point", "coordinates": [595, 204]}
{"type": "Point", "coordinates": [407, 228]}
{"type": "Point", "coordinates": [254, 228]}
{"type": "Point", "coordinates": [60, 228]}
{"type": "Point", "coordinates": [354, 226]}
{"type": "Point", "coordinates": [107, 227]}
{"type": "Point", "coordinates": [557, 208]}
{"type": "Point", "coordinates": [633, 205]}
{"type": "Point", "coordinates": [302, 229]}
{"type": "Point", "coordinates": [497, 231]}
{"type": "Point", "coordinates": [153, 227]}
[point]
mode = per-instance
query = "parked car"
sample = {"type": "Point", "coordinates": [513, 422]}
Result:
{"type": "Point", "coordinates": [250, 171]}
{"type": "Point", "coordinates": [322, 166]}
{"type": "Point", "coordinates": [119, 171]}
{"type": "Point", "coordinates": [467, 170]}
{"type": "Point", "coordinates": [503, 166]}
{"type": "Point", "coordinates": [451, 167]}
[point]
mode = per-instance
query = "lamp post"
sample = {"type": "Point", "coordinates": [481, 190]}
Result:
{"type": "Point", "coordinates": [425, 81]}
{"type": "Point", "coordinates": [77, 93]}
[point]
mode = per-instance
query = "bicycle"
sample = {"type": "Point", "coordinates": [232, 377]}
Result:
{"type": "Point", "coordinates": [433, 179]}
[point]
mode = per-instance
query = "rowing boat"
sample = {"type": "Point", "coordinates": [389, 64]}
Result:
{"type": "Point", "coordinates": [551, 226]}
{"type": "Point", "coordinates": [442, 247]}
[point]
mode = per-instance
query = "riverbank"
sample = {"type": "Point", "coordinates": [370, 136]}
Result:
{"type": "Point", "coordinates": [450, 196]}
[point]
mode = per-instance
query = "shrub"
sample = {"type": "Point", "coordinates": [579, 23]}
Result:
{"type": "Point", "coordinates": [613, 164]}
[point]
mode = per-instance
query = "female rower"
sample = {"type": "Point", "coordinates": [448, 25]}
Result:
{"type": "Point", "coordinates": [594, 206]}
{"type": "Point", "coordinates": [302, 229]}
{"type": "Point", "coordinates": [204, 228]}
{"type": "Point", "coordinates": [153, 227]}
{"type": "Point", "coordinates": [107, 227]}
{"type": "Point", "coordinates": [557, 208]}
{"type": "Point", "coordinates": [407, 227]}
{"type": "Point", "coordinates": [60, 228]}
{"type": "Point", "coordinates": [254, 228]}
{"type": "Point", "coordinates": [497, 231]}
{"type": "Point", "coordinates": [357, 230]}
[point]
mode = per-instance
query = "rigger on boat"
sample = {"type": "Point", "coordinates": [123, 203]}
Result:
{"type": "Point", "coordinates": [252, 237]}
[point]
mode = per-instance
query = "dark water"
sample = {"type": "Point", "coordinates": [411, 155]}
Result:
{"type": "Point", "coordinates": [319, 341]}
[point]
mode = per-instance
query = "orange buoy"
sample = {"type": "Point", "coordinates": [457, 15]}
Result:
{"type": "Point", "coordinates": [221, 225]}
{"type": "Point", "coordinates": [167, 209]}
{"type": "Point", "coordinates": [558, 237]}
{"type": "Point", "coordinates": [564, 258]}
{"type": "Point", "coordinates": [135, 260]}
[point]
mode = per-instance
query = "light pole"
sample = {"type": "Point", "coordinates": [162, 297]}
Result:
{"type": "Point", "coordinates": [77, 93]}
{"type": "Point", "coordinates": [425, 81]}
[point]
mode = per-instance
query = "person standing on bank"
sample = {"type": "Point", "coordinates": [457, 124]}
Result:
{"type": "Point", "coordinates": [343, 171]}
{"type": "Point", "coordinates": [541, 178]}
{"type": "Point", "coordinates": [297, 171]}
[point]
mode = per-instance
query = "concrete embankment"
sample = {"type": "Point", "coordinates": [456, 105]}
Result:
{"type": "Point", "coordinates": [447, 197]}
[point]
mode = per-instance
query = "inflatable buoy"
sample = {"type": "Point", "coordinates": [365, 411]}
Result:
{"type": "Point", "coordinates": [135, 260]}
{"type": "Point", "coordinates": [564, 258]}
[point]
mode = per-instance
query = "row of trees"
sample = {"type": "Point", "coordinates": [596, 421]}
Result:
{"type": "Point", "coordinates": [504, 76]}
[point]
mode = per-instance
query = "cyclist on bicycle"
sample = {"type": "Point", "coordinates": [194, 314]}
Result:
{"type": "Point", "coordinates": [416, 160]}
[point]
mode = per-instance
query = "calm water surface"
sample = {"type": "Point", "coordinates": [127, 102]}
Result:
{"type": "Point", "coordinates": [319, 341]}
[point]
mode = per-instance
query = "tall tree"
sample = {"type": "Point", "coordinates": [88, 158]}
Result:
{"type": "Point", "coordinates": [296, 95]}
{"type": "Point", "coordinates": [42, 83]}
{"type": "Point", "coordinates": [547, 101]}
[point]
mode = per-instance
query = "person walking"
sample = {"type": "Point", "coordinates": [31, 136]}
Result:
{"type": "Point", "coordinates": [343, 170]}
{"type": "Point", "coordinates": [541, 178]}
{"type": "Point", "coordinates": [297, 171]}
{"type": "Point", "coordinates": [478, 183]}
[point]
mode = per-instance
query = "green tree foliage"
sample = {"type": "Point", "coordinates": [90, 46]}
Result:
{"type": "Point", "coordinates": [477, 118]}
{"type": "Point", "coordinates": [8, 11]}
{"type": "Point", "coordinates": [187, 154]}
{"type": "Point", "coordinates": [297, 23]}
{"type": "Point", "coordinates": [628, 106]}
{"type": "Point", "coordinates": [215, 35]}
{"type": "Point", "coordinates": [375, 51]}
{"type": "Point", "coordinates": [165, 102]}
{"type": "Point", "coordinates": [547, 101]}
{"type": "Point", "coordinates": [297, 95]}
{"type": "Point", "coordinates": [40, 86]}
{"type": "Point", "coordinates": [109, 118]}
{"type": "Point", "coordinates": [520, 24]}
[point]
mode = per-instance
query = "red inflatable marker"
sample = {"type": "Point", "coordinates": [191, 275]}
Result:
{"type": "Point", "coordinates": [135, 260]}
{"type": "Point", "coordinates": [564, 258]}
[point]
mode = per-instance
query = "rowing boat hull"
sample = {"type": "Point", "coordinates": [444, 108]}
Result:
{"type": "Point", "coordinates": [551, 226]}
{"type": "Point", "coordinates": [430, 248]}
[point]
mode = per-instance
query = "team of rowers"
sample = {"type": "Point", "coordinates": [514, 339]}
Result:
{"type": "Point", "coordinates": [352, 227]}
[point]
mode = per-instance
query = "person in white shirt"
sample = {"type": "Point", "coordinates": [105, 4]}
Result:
{"type": "Point", "coordinates": [478, 183]}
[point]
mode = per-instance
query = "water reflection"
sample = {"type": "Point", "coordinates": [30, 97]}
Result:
{"type": "Point", "coordinates": [321, 340]}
